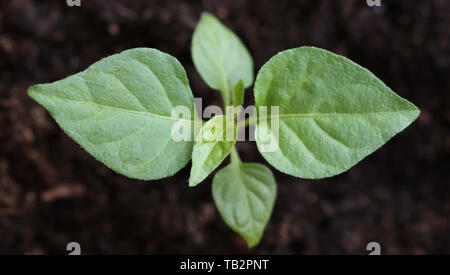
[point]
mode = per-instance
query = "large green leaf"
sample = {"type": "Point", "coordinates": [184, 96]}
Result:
{"type": "Point", "coordinates": [219, 56]}
{"type": "Point", "coordinates": [244, 194]}
{"type": "Point", "coordinates": [332, 112]}
{"type": "Point", "coordinates": [214, 143]}
{"type": "Point", "coordinates": [119, 110]}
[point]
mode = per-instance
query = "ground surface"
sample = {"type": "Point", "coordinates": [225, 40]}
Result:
{"type": "Point", "coordinates": [52, 192]}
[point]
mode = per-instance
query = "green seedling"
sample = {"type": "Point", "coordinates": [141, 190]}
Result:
{"type": "Point", "coordinates": [331, 113]}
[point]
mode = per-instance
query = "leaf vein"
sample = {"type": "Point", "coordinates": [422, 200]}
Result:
{"type": "Point", "coordinates": [304, 145]}
{"type": "Point", "coordinates": [327, 134]}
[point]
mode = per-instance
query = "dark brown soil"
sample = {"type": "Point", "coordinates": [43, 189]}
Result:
{"type": "Point", "coordinates": [52, 192]}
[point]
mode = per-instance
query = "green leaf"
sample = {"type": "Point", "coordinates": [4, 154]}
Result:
{"type": "Point", "coordinates": [119, 110]}
{"type": "Point", "coordinates": [214, 144]}
{"type": "Point", "coordinates": [244, 194]}
{"type": "Point", "coordinates": [219, 56]}
{"type": "Point", "coordinates": [238, 94]}
{"type": "Point", "coordinates": [332, 112]}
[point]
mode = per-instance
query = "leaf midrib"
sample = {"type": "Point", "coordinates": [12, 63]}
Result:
{"type": "Point", "coordinates": [123, 110]}
{"type": "Point", "coordinates": [336, 114]}
{"type": "Point", "coordinates": [240, 177]}
{"type": "Point", "coordinates": [220, 64]}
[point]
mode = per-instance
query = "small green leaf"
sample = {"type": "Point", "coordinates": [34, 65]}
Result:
{"type": "Point", "coordinates": [214, 144]}
{"type": "Point", "coordinates": [244, 194]}
{"type": "Point", "coordinates": [119, 110]}
{"type": "Point", "coordinates": [219, 56]}
{"type": "Point", "coordinates": [332, 112]}
{"type": "Point", "coordinates": [238, 93]}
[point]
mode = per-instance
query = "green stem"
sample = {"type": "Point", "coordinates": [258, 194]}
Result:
{"type": "Point", "coordinates": [225, 98]}
{"type": "Point", "coordinates": [235, 160]}
{"type": "Point", "coordinates": [249, 121]}
{"type": "Point", "coordinates": [235, 156]}
{"type": "Point", "coordinates": [242, 124]}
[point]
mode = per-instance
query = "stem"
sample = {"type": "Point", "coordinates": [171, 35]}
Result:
{"type": "Point", "coordinates": [235, 160]}
{"type": "Point", "coordinates": [242, 124]}
{"type": "Point", "coordinates": [225, 98]}
{"type": "Point", "coordinates": [247, 122]}
{"type": "Point", "coordinates": [235, 156]}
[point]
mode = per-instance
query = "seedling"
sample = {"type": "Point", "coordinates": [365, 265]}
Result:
{"type": "Point", "coordinates": [330, 114]}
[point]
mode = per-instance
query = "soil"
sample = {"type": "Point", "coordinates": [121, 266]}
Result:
{"type": "Point", "coordinates": [52, 192]}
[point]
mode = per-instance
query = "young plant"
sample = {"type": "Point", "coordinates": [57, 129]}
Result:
{"type": "Point", "coordinates": [330, 113]}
